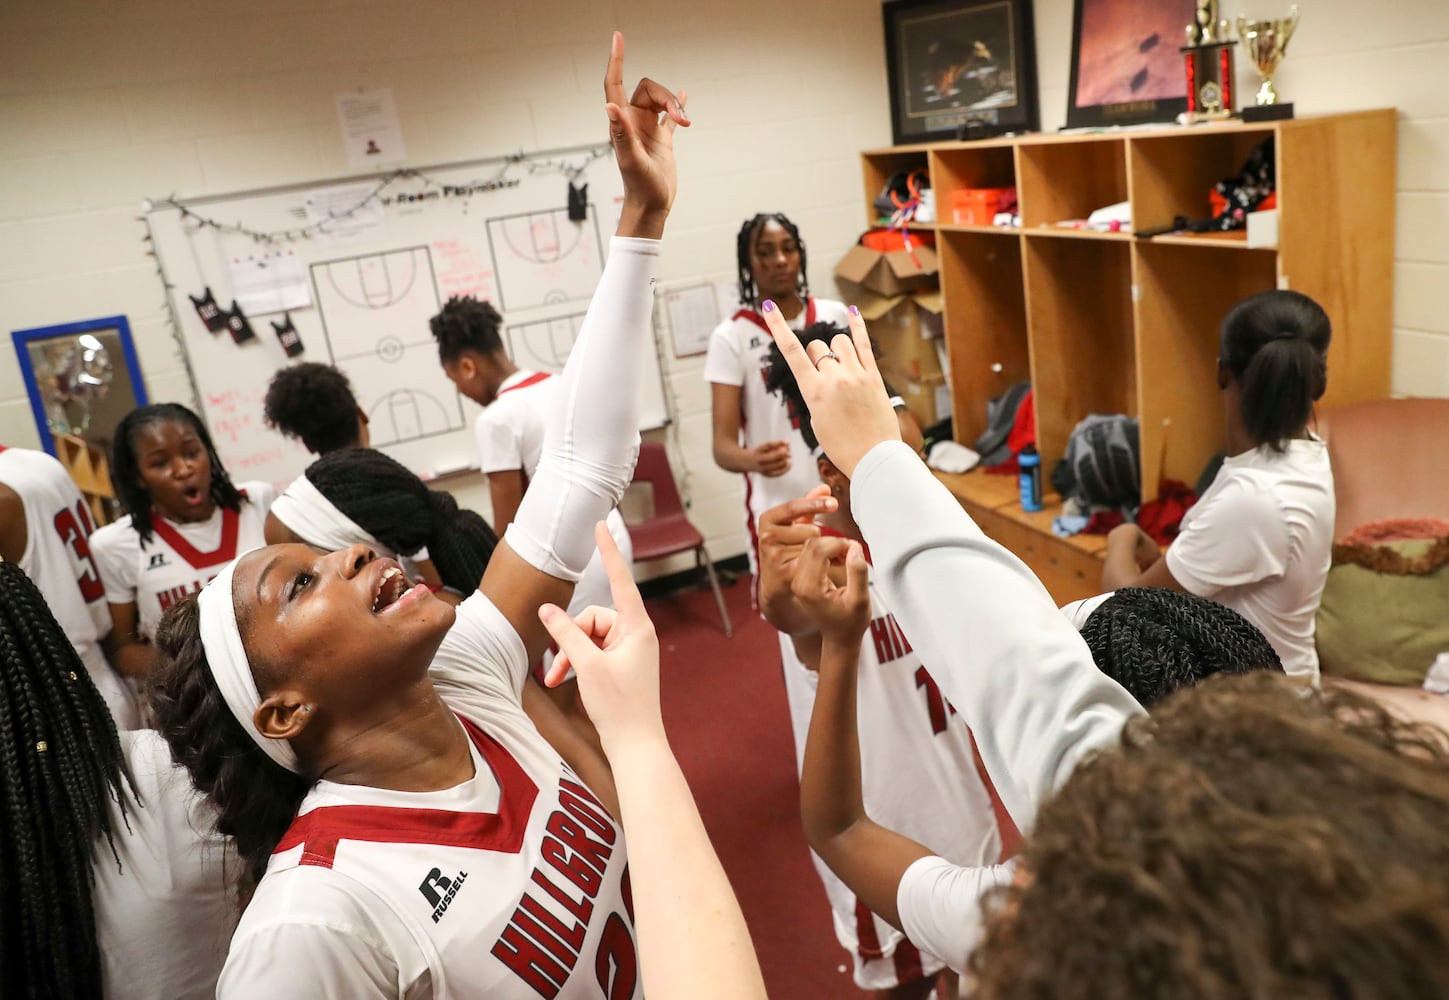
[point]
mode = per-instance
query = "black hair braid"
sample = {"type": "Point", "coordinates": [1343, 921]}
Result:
{"type": "Point", "coordinates": [313, 402]}
{"type": "Point", "coordinates": [466, 324]}
{"type": "Point", "coordinates": [1154, 641]}
{"type": "Point", "coordinates": [61, 768]}
{"type": "Point", "coordinates": [126, 471]}
{"type": "Point", "coordinates": [255, 798]}
{"type": "Point", "coordinates": [391, 504]}
{"type": "Point", "coordinates": [744, 248]}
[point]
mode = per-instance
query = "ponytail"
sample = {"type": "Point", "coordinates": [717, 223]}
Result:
{"type": "Point", "coordinates": [391, 504]}
{"type": "Point", "coordinates": [255, 799]}
{"type": "Point", "coordinates": [1275, 346]}
{"type": "Point", "coordinates": [460, 543]}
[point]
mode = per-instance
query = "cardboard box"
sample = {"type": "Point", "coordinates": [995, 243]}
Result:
{"type": "Point", "coordinates": [978, 206]}
{"type": "Point", "coordinates": [887, 274]}
{"type": "Point", "coordinates": [907, 333]}
{"type": "Point", "coordinates": [928, 399]}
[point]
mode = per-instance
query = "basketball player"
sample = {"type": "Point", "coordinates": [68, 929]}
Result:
{"type": "Point", "coordinates": [754, 432]}
{"type": "Point", "coordinates": [186, 521]}
{"type": "Point", "coordinates": [45, 528]}
{"type": "Point", "coordinates": [918, 765]}
{"type": "Point", "coordinates": [411, 832]}
{"type": "Point", "coordinates": [516, 405]}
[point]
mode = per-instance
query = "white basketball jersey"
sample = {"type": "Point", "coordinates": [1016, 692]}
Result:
{"type": "Point", "coordinates": [511, 886]}
{"type": "Point", "coordinates": [918, 777]}
{"type": "Point", "coordinates": [180, 558]}
{"type": "Point", "coordinates": [59, 561]}
{"type": "Point", "coordinates": [739, 354]}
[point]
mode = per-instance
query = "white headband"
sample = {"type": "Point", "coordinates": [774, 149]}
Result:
{"type": "Point", "coordinates": [312, 517]}
{"type": "Point", "coordinates": [221, 639]}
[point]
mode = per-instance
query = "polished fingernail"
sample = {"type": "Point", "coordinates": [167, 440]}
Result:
{"type": "Point", "coordinates": [854, 311]}
{"type": "Point", "coordinates": [767, 306]}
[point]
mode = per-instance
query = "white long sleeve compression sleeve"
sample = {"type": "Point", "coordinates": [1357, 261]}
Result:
{"type": "Point", "coordinates": [592, 439]}
{"type": "Point", "coordinates": [1007, 659]}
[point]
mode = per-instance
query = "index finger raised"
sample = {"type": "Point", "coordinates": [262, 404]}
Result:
{"type": "Point", "coordinates": [614, 73]}
{"type": "Point", "coordinates": [621, 579]}
{"type": "Point", "coordinates": [789, 344]}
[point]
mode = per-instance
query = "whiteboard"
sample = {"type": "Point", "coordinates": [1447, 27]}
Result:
{"type": "Point", "coordinates": [363, 288]}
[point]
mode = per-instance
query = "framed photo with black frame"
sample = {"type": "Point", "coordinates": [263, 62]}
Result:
{"type": "Point", "coordinates": [960, 68]}
{"type": "Point", "coordinates": [1126, 65]}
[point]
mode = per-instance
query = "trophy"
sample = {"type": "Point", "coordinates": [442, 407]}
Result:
{"type": "Point", "coordinates": [1208, 60]}
{"type": "Point", "coordinates": [1265, 42]}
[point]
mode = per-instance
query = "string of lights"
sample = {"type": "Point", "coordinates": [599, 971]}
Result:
{"type": "Point", "coordinates": [379, 195]}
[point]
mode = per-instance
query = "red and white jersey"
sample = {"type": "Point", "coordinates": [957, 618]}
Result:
{"type": "Point", "coordinates": [60, 561]}
{"type": "Point", "coordinates": [510, 436]}
{"type": "Point", "coordinates": [180, 558]}
{"type": "Point", "coordinates": [918, 778]}
{"type": "Point", "coordinates": [739, 354]}
{"type": "Point", "coordinates": [513, 885]}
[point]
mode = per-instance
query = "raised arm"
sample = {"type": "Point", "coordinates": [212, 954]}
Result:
{"type": "Point", "coordinates": [693, 941]}
{"type": "Point", "coordinates": [866, 856]}
{"type": "Point", "coordinates": [591, 442]}
{"type": "Point", "coordinates": [1016, 670]}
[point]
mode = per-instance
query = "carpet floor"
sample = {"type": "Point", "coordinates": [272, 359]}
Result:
{"type": "Point", "coordinates": [724, 708]}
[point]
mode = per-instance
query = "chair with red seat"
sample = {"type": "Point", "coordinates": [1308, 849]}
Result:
{"type": "Point", "coordinates": [668, 532]}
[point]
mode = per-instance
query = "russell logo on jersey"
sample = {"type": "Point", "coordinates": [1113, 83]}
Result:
{"type": "Point", "coordinates": [439, 891]}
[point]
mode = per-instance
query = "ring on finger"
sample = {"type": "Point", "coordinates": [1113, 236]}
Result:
{"type": "Point", "coordinates": [830, 355]}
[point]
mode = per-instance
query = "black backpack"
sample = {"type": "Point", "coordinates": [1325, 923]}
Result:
{"type": "Point", "coordinates": [1102, 467]}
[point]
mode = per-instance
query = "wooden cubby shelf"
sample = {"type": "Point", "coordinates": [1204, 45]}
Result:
{"type": "Point", "coordinates": [1111, 323]}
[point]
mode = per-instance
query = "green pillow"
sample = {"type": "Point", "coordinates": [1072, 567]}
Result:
{"type": "Point", "coordinates": [1385, 611]}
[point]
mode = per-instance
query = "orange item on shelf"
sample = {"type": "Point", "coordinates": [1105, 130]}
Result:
{"type": "Point", "coordinates": [891, 240]}
{"type": "Point", "coordinates": [978, 206]}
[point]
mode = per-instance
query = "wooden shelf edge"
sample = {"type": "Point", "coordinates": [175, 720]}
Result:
{"type": "Point", "coordinates": [1235, 240]}
{"type": "Point", "coordinates": [1076, 234]}
{"type": "Point", "coordinates": [988, 230]}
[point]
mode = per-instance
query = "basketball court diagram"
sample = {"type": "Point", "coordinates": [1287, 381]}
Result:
{"type": "Point", "coordinates": [544, 259]}
{"type": "Point", "coordinates": [544, 345]}
{"type": "Point", "coordinates": [375, 310]}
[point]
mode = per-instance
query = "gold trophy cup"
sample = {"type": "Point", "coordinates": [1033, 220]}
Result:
{"type": "Point", "coordinates": [1266, 41]}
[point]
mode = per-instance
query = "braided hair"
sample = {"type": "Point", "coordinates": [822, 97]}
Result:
{"type": "Point", "coordinates": [313, 402]}
{"type": "Point", "coordinates": [745, 245]}
{"type": "Point", "coordinates": [255, 798]}
{"type": "Point", "coordinates": [391, 504]}
{"type": "Point", "coordinates": [126, 470]}
{"type": "Point", "coordinates": [1154, 641]}
{"type": "Point", "coordinates": [466, 324]}
{"type": "Point", "coordinates": [61, 767]}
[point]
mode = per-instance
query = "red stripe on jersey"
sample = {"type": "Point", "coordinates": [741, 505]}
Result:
{"type": "Point", "coordinates": [224, 553]}
{"type": "Point", "coordinates": [759, 320]}
{"type": "Point", "coordinates": [533, 379]}
{"type": "Point", "coordinates": [867, 941]}
{"type": "Point", "coordinates": [320, 830]}
{"type": "Point", "coordinates": [908, 963]}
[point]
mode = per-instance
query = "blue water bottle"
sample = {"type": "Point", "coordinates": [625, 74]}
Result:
{"type": "Point", "coordinates": [1030, 463]}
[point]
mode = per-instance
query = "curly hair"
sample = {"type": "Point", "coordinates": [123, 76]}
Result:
{"type": "Point", "coordinates": [313, 402]}
{"type": "Point", "coordinates": [1154, 642]}
{"type": "Point", "coordinates": [255, 799]}
{"type": "Point", "coordinates": [1248, 839]}
{"type": "Point", "coordinates": [780, 380]}
{"type": "Point", "coordinates": [126, 470]}
{"type": "Point", "coordinates": [392, 504]}
{"type": "Point", "coordinates": [61, 767]}
{"type": "Point", "coordinates": [466, 324]}
{"type": "Point", "coordinates": [745, 246]}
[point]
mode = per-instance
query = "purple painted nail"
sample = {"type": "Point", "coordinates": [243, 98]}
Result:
{"type": "Point", "coordinates": [767, 306]}
{"type": "Point", "coordinates": [854, 311]}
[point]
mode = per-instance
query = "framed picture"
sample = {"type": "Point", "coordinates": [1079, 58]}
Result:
{"type": "Point", "coordinates": [960, 64]}
{"type": "Point", "coordinates": [82, 378]}
{"type": "Point", "coordinates": [1126, 67]}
